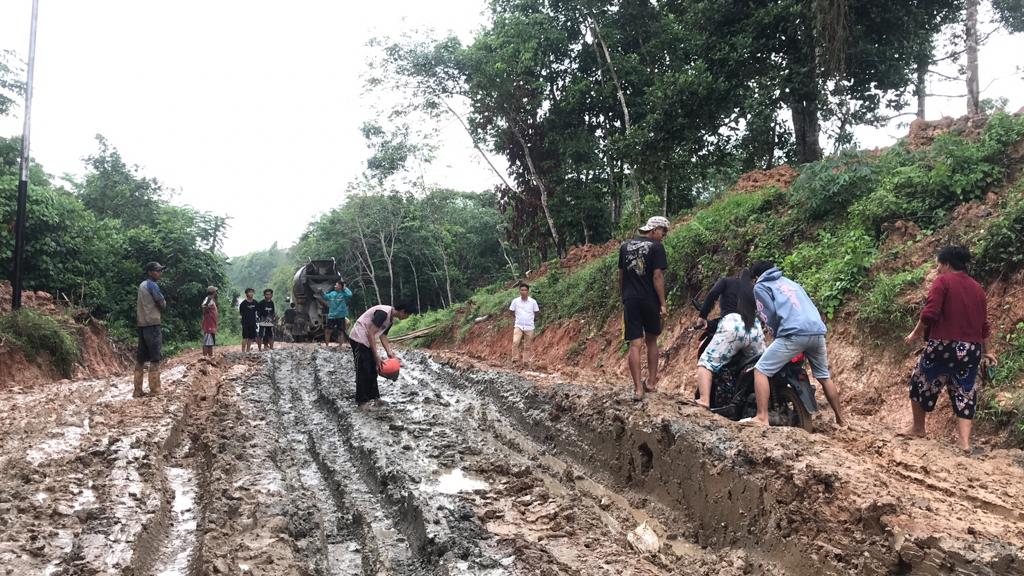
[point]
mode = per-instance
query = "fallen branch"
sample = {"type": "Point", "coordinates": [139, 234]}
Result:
{"type": "Point", "coordinates": [415, 333]}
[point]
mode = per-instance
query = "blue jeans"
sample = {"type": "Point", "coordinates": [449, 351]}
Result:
{"type": "Point", "coordinates": [782, 350]}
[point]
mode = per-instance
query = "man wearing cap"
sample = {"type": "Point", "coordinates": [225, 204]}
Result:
{"type": "Point", "coordinates": [210, 317]}
{"type": "Point", "coordinates": [150, 303]}
{"type": "Point", "coordinates": [642, 263]}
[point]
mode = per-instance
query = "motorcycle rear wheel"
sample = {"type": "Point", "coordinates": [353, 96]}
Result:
{"type": "Point", "coordinates": [803, 416]}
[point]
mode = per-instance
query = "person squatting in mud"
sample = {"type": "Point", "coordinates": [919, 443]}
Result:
{"type": "Point", "coordinates": [954, 325]}
{"type": "Point", "coordinates": [371, 325]}
{"type": "Point", "coordinates": [210, 318]}
{"type": "Point", "coordinates": [247, 310]}
{"type": "Point", "coordinates": [642, 264]}
{"type": "Point", "coordinates": [266, 316]}
{"type": "Point", "coordinates": [150, 303]}
{"type": "Point", "coordinates": [789, 315]}
{"type": "Point", "coordinates": [337, 312]}
{"type": "Point", "coordinates": [739, 330]}
{"type": "Point", "coordinates": [524, 311]}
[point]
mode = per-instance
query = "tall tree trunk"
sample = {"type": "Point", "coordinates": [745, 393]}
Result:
{"type": "Point", "coordinates": [622, 103]}
{"type": "Point", "coordinates": [920, 84]}
{"type": "Point", "coordinates": [416, 282]}
{"type": "Point", "coordinates": [806, 128]}
{"type": "Point", "coordinates": [664, 197]}
{"type": "Point", "coordinates": [447, 276]}
{"type": "Point", "coordinates": [973, 91]}
{"type": "Point", "coordinates": [539, 183]}
{"type": "Point", "coordinates": [391, 270]}
{"type": "Point", "coordinates": [368, 263]}
{"type": "Point", "coordinates": [477, 145]}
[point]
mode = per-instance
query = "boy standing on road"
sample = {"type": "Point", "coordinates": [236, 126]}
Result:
{"type": "Point", "coordinates": [374, 323]}
{"type": "Point", "coordinates": [789, 315]}
{"type": "Point", "coordinates": [524, 309]}
{"type": "Point", "coordinates": [266, 316]}
{"type": "Point", "coordinates": [337, 312]}
{"type": "Point", "coordinates": [210, 321]}
{"type": "Point", "coordinates": [150, 303]}
{"type": "Point", "coordinates": [247, 309]}
{"type": "Point", "coordinates": [642, 264]}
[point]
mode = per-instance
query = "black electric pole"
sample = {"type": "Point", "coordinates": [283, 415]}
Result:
{"type": "Point", "coordinates": [19, 223]}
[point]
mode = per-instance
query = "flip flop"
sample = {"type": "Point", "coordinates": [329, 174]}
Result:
{"type": "Point", "coordinates": [638, 397]}
{"type": "Point", "coordinates": [751, 422]}
{"type": "Point", "coordinates": [646, 387]}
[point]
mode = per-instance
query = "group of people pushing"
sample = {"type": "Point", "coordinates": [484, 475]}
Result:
{"type": "Point", "coordinates": [760, 301]}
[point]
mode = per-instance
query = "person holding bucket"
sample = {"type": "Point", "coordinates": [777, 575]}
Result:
{"type": "Point", "coordinates": [372, 325]}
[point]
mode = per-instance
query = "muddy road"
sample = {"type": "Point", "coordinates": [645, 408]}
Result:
{"type": "Point", "coordinates": [262, 465]}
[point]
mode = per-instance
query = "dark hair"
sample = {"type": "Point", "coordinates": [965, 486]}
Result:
{"type": "Point", "coordinates": [760, 267]}
{"type": "Point", "coordinates": [406, 307]}
{"type": "Point", "coordinates": [524, 285]}
{"type": "Point", "coordinates": [745, 305]}
{"type": "Point", "coordinates": [265, 290]}
{"type": "Point", "coordinates": [247, 290]}
{"type": "Point", "coordinates": [958, 257]}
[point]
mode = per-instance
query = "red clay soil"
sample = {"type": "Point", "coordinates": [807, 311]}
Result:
{"type": "Point", "coordinates": [780, 176]}
{"type": "Point", "coordinates": [99, 357]}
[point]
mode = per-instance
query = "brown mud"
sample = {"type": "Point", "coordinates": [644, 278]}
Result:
{"type": "Point", "coordinates": [262, 465]}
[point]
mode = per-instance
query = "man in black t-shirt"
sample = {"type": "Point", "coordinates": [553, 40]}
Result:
{"type": "Point", "coordinates": [642, 262]}
{"type": "Point", "coordinates": [247, 309]}
{"type": "Point", "coordinates": [266, 315]}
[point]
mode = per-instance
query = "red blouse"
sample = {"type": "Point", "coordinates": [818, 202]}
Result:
{"type": "Point", "coordinates": [956, 309]}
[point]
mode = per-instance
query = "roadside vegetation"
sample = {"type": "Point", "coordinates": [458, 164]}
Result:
{"type": "Point", "coordinates": [34, 333]}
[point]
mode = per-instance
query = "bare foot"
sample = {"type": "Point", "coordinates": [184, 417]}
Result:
{"type": "Point", "coordinates": [754, 422]}
{"type": "Point", "coordinates": [911, 433]}
{"type": "Point", "coordinates": [366, 407]}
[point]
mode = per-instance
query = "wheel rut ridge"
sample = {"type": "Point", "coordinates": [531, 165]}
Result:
{"type": "Point", "coordinates": [739, 497]}
{"type": "Point", "coordinates": [441, 532]}
{"type": "Point", "coordinates": [684, 468]}
{"type": "Point", "coordinates": [355, 509]}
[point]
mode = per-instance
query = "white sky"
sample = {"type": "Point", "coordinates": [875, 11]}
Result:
{"type": "Point", "coordinates": [252, 108]}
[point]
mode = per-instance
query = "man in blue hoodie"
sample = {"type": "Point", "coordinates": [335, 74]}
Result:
{"type": "Point", "coordinates": [788, 314]}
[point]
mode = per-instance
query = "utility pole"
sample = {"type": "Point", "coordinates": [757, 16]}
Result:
{"type": "Point", "coordinates": [19, 223]}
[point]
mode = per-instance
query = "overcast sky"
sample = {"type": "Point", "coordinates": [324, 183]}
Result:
{"type": "Point", "coordinates": [252, 108]}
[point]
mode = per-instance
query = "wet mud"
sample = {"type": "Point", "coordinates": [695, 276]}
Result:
{"type": "Point", "coordinates": [264, 465]}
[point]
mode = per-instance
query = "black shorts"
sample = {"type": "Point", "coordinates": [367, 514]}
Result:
{"type": "Point", "coordinates": [151, 345]}
{"type": "Point", "coordinates": [248, 331]}
{"type": "Point", "coordinates": [266, 333]}
{"type": "Point", "coordinates": [640, 318]}
{"type": "Point", "coordinates": [336, 324]}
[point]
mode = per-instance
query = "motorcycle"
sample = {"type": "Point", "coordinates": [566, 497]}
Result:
{"type": "Point", "coordinates": [791, 402]}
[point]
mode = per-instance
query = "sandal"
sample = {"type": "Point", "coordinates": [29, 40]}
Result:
{"type": "Point", "coordinates": [646, 387]}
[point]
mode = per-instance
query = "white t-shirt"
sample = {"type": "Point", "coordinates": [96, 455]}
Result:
{"type": "Point", "coordinates": [524, 312]}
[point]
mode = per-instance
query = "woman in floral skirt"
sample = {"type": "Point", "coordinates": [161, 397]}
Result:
{"type": "Point", "coordinates": [954, 324]}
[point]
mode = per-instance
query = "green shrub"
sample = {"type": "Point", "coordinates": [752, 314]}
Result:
{"type": "Point", "coordinates": [33, 332]}
{"type": "Point", "coordinates": [882, 308]}
{"type": "Point", "coordinates": [718, 239]}
{"type": "Point", "coordinates": [926, 185]}
{"type": "Point", "coordinates": [1000, 249]}
{"type": "Point", "coordinates": [592, 290]}
{"type": "Point", "coordinates": [1003, 404]}
{"type": "Point", "coordinates": [833, 266]}
{"type": "Point", "coordinates": [828, 187]}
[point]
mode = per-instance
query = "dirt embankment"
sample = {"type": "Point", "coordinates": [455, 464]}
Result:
{"type": "Point", "coordinates": [99, 357]}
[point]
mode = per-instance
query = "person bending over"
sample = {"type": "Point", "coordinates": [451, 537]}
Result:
{"type": "Point", "coordinates": [795, 323]}
{"type": "Point", "coordinates": [372, 325]}
{"type": "Point", "coordinates": [739, 331]}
